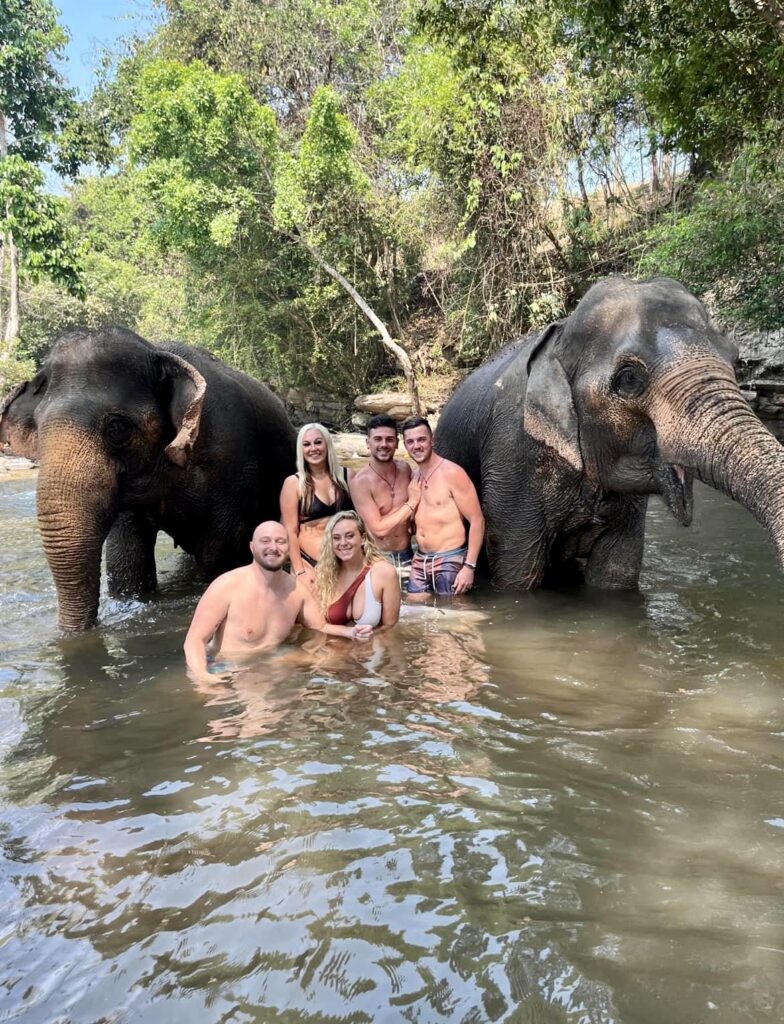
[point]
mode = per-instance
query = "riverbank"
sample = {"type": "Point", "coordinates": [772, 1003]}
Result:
{"type": "Point", "coordinates": [14, 467]}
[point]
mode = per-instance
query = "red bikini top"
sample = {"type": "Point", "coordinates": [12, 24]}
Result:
{"type": "Point", "coordinates": [337, 613]}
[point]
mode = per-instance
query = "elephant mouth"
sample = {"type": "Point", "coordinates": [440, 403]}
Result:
{"type": "Point", "coordinates": [675, 484]}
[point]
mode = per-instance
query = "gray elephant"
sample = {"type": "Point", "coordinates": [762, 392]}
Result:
{"type": "Point", "coordinates": [134, 438]}
{"type": "Point", "coordinates": [566, 432]}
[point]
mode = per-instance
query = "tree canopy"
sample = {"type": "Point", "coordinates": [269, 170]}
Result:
{"type": "Point", "coordinates": [291, 181]}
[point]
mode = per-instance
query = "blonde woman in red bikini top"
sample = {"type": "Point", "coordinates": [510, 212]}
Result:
{"type": "Point", "coordinates": [356, 586]}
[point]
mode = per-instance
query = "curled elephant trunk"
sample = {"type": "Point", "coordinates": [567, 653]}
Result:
{"type": "Point", "coordinates": [703, 422]}
{"type": "Point", "coordinates": [77, 487]}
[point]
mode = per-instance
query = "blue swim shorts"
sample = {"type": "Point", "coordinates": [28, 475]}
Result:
{"type": "Point", "coordinates": [434, 572]}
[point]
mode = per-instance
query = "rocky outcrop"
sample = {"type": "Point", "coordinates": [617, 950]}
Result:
{"type": "Point", "coordinates": [388, 403]}
{"type": "Point", "coordinates": [309, 407]}
{"type": "Point", "coordinates": [760, 369]}
{"type": "Point", "coordinates": [14, 467]}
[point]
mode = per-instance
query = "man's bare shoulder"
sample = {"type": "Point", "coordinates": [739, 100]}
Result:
{"type": "Point", "coordinates": [230, 579]}
{"type": "Point", "coordinates": [455, 473]}
{"type": "Point", "coordinates": [403, 467]}
{"type": "Point", "coordinates": [362, 479]}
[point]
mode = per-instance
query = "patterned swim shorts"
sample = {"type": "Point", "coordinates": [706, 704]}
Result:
{"type": "Point", "coordinates": [402, 562]}
{"type": "Point", "coordinates": [435, 572]}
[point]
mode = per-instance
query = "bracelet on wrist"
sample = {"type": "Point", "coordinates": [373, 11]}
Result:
{"type": "Point", "coordinates": [301, 572]}
{"type": "Point", "coordinates": [470, 565]}
{"type": "Point", "coordinates": [411, 507]}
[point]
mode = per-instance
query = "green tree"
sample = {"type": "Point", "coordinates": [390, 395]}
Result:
{"type": "Point", "coordinates": [707, 73]}
{"type": "Point", "coordinates": [478, 112]}
{"type": "Point", "coordinates": [324, 198]}
{"type": "Point", "coordinates": [255, 217]}
{"type": "Point", "coordinates": [34, 104]}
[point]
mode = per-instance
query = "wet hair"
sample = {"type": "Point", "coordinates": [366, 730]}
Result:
{"type": "Point", "coordinates": [303, 470]}
{"type": "Point", "coordinates": [381, 420]}
{"type": "Point", "coordinates": [328, 564]}
{"type": "Point", "coordinates": [415, 421]}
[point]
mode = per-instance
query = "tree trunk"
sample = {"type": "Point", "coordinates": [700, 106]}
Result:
{"type": "Point", "coordinates": [583, 190]}
{"type": "Point", "coordinates": [655, 184]}
{"type": "Point", "coordinates": [2, 279]}
{"type": "Point", "coordinates": [397, 351]}
{"type": "Point", "coordinates": [3, 154]}
{"type": "Point", "coordinates": [12, 321]}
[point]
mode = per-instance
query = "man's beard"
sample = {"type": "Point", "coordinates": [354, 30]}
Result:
{"type": "Point", "coordinates": [271, 568]}
{"type": "Point", "coordinates": [384, 456]}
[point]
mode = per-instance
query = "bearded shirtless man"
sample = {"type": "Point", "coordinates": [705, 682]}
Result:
{"type": "Point", "coordinates": [445, 560]}
{"type": "Point", "coordinates": [254, 608]}
{"type": "Point", "coordinates": [385, 496]}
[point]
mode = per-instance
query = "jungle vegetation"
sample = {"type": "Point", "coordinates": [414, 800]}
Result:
{"type": "Point", "coordinates": [320, 190]}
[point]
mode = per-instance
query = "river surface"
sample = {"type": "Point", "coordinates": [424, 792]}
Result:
{"type": "Point", "coordinates": [557, 807]}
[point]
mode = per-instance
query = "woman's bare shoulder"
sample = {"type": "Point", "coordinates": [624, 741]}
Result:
{"type": "Point", "coordinates": [383, 571]}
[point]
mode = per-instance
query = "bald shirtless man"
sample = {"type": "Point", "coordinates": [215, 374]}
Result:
{"type": "Point", "coordinates": [445, 560]}
{"type": "Point", "coordinates": [385, 496]}
{"type": "Point", "coordinates": [255, 607]}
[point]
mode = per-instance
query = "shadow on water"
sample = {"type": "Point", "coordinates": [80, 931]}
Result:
{"type": "Point", "coordinates": [559, 807]}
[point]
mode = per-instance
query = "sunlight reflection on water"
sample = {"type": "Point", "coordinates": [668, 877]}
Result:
{"type": "Point", "coordinates": [557, 807]}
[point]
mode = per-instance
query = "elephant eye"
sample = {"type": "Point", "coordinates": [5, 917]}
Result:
{"type": "Point", "coordinates": [629, 381]}
{"type": "Point", "coordinates": [118, 430]}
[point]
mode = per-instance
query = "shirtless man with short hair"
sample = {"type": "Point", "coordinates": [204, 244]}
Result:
{"type": "Point", "coordinates": [445, 560]}
{"type": "Point", "coordinates": [385, 496]}
{"type": "Point", "coordinates": [254, 608]}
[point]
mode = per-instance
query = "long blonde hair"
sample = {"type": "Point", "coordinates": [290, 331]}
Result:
{"type": "Point", "coordinates": [304, 478]}
{"type": "Point", "coordinates": [328, 565]}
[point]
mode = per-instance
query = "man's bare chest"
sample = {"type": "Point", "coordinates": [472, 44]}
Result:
{"type": "Point", "coordinates": [389, 496]}
{"type": "Point", "coordinates": [252, 620]}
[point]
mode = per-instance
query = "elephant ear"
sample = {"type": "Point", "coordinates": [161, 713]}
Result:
{"type": "Point", "coordinates": [549, 414]}
{"type": "Point", "coordinates": [18, 431]}
{"type": "Point", "coordinates": [186, 398]}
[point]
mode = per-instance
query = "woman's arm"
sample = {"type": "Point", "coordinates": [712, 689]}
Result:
{"type": "Point", "coordinates": [289, 514]}
{"type": "Point", "coordinates": [386, 575]}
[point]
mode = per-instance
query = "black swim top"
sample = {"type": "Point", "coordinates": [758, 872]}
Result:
{"type": "Point", "coordinates": [321, 510]}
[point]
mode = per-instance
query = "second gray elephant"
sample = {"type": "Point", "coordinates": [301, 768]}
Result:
{"type": "Point", "coordinates": [566, 433]}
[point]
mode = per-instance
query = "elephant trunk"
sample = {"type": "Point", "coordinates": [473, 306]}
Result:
{"type": "Point", "coordinates": [77, 489]}
{"type": "Point", "coordinates": [703, 422]}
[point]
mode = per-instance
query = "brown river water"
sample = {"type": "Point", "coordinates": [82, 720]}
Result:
{"type": "Point", "coordinates": [550, 808]}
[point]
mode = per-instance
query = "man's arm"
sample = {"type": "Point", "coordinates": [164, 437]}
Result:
{"type": "Point", "coordinates": [210, 614]}
{"type": "Point", "coordinates": [311, 617]}
{"type": "Point", "coordinates": [380, 526]}
{"type": "Point", "coordinates": [467, 501]}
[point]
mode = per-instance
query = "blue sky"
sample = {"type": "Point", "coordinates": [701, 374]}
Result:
{"type": "Point", "coordinates": [94, 26]}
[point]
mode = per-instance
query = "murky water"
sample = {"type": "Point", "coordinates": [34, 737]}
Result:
{"type": "Point", "coordinates": [560, 808]}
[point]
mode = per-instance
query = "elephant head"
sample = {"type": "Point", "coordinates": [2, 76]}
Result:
{"type": "Point", "coordinates": [636, 391]}
{"type": "Point", "coordinates": [105, 416]}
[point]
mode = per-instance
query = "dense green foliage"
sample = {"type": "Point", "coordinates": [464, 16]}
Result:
{"type": "Point", "coordinates": [729, 244]}
{"type": "Point", "coordinates": [469, 167]}
{"type": "Point", "coordinates": [34, 108]}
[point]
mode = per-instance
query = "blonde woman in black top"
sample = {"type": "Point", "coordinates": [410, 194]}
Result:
{"type": "Point", "coordinates": [311, 496]}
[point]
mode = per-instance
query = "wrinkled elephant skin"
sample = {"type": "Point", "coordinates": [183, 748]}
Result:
{"type": "Point", "coordinates": [567, 432]}
{"type": "Point", "coordinates": [133, 439]}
